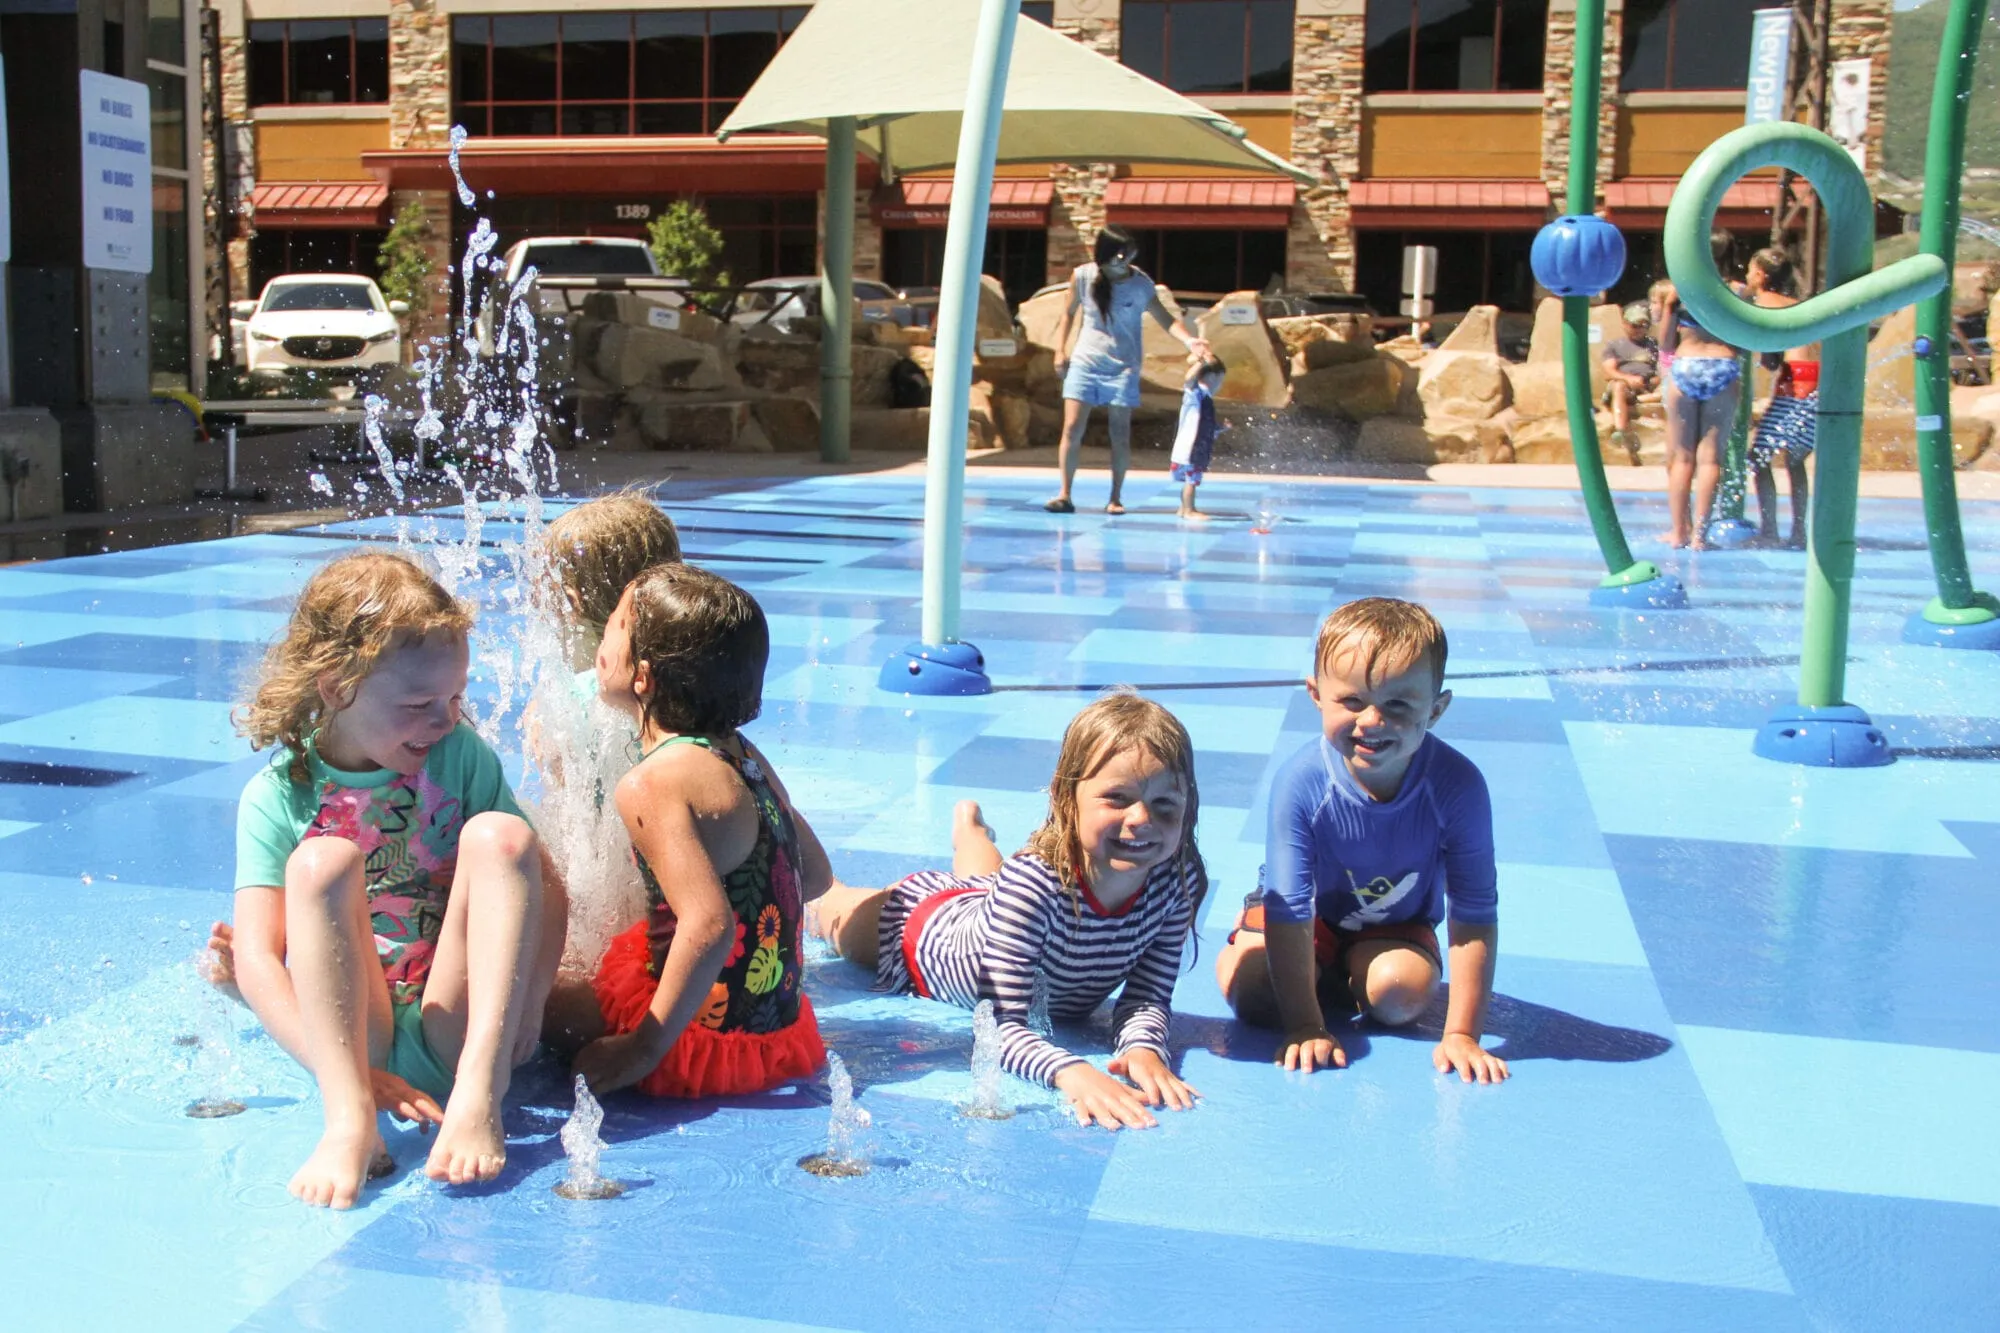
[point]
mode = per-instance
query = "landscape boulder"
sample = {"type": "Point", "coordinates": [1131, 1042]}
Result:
{"type": "Point", "coordinates": [1358, 389]}
{"type": "Point", "coordinates": [1478, 331]}
{"type": "Point", "coordinates": [1240, 338]}
{"type": "Point", "coordinates": [629, 356]}
{"type": "Point", "coordinates": [1468, 385]}
{"type": "Point", "coordinates": [1296, 331]}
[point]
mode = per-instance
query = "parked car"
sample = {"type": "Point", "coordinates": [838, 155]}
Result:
{"type": "Point", "coordinates": [785, 302]}
{"type": "Point", "coordinates": [1282, 305]}
{"type": "Point", "coordinates": [334, 325]}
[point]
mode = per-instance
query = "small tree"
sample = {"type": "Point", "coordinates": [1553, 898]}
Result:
{"type": "Point", "coordinates": [404, 260]}
{"type": "Point", "coordinates": [686, 245]}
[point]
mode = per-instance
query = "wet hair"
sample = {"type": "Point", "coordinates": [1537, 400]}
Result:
{"type": "Point", "coordinates": [1720, 243]}
{"type": "Point", "coordinates": [1111, 242]}
{"type": "Point", "coordinates": [349, 614]}
{"type": "Point", "coordinates": [1637, 312]}
{"type": "Point", "coordinates": [598, 547]}
{"type": "Point", "coordinates": [1212, 366]}
{"type": "Point", "coordinates": [1392, 635]}
{"type": "Point", "coordinates": [1116, 722]}
{"type": "Point", "coordinates": [706, 642]}
{"type": "Point", "coordinates": [1779, 273]}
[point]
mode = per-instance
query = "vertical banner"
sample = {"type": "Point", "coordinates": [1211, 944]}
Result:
{"type": "Point", "coordinates": [1847, 118]}
{"type": "Point", "coordinates": [117, 173]}
{"type": "Point", "coordinates": [1770, 67]}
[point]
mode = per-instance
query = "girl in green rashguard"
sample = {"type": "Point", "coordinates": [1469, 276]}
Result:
{"type": "Point", "coordinates": [398, 923]}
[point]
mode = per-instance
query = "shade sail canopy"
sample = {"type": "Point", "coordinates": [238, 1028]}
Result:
{"type": "Point", "coordinates": [899, 69]}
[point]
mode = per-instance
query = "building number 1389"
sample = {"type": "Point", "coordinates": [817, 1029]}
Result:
{"type": "Point", "coordinates": [632, 212]}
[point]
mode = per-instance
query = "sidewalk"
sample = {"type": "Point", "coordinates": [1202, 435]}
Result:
{"type": "Point", "coordinates": [281, 464]}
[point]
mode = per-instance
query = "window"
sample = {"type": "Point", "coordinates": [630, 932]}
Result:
{"type": "Point", "coordinates": [767, 238]}
{"type": "Point", "coordinates": [1474, 268]}
{"type": "Point", "coordinates": [1041, 11]}
{"type": "Point", "coordinates": [1210, 46]}
{"type": "Point", "coordinates": [1686, 44]}
{"type": "Point", "coordinates": [307, 61]}
{"type": "Point", "coordinates": [1018, 256]}
{"type": "Point", "coordinates": [675, 71]}
{"type": "Point", "coordinates": [1454, 46]}
{"type": "Point", "coordinates": [1212, 261]}
{"type": "Point", "coordinates": [275, 251]}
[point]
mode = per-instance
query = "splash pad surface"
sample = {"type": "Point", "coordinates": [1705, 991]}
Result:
{"type": "Point", "coordinates": [1748, 1005]}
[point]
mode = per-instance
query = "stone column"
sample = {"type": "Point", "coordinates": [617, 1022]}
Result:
{"type": "Point", "coordinates": [1329, 44]}
{"type": "Point", "coordinates": [420, 118]}
{"type": "Point", "coordinates": [1077, 214]}
{"type": "Point", "coordinates": [242, 135]}
{"type": "Point", "coordinates": [1558, 70]}
{"type": "Point", "coordinates": [867, 235]}
{"type": "Point", "coordinates": [1860, 30]}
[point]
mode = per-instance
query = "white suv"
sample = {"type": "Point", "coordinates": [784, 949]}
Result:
{"type": "Point", "coordinates": [334, 324]}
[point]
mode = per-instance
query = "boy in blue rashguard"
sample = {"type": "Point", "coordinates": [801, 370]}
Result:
{"type": "Point", "coordinates": [1378, 831]}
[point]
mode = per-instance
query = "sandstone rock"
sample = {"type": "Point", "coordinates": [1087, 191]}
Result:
{"type": "Point", "coordinates": [1973, 284]}
{"type": "Point", "coordinates": [1889, 440]}
{"type": "Point", "coordinates": [1545, 343]}
{"type": "Point", "coordinates": [1892, 365]}
{"type": "Point", "coordinates": [1359, 389]}
{"type": "Point", "coordinates": [787, 366]}
{"type": "Point", "coordinates": [906, 429]}
{"type": "Point", "coordinates": [917, 336]}
{"type": "Point", "coordinates": [1249, 350]}
{"type": "Point", "coordinates": [628, 356]}
{"type": "Point", "coordinates": [1040, 315]}
{"type": "Point", "coordinates": [1464, 384]}
{"type": "Point", "coordinates": [1329, 352]}
{"type": "Point", "coordinates": [1392, 440]}
{"type": "Point", "coordinates": [1041, 382]}
{"type": "Point", "coordinates": [993, 319]}
{"type": "Point", "coordinates": [1980, 400]}
{"type": "Point", "coordinates": [1477, 332]}
{"type": "Point", "coordinates": [596, 415]}
{"type": "Point", "coordinates": [649, 310]}
{"type": "Point", "coordinates": [790, 424]}
{"type": "Point", "coordinates": [667, 424]}
{"type": "Point", "coordinates": [1536, 388]}
{"type": "Point", "coordinates": [1437, 440]}
{"type": "Point", "coordinates": [1010, 418]}
{"type": "Point", "coordinates": [751, 439]}
{"type": "Point", "coordinates": [1297, 331]}
{"type": "Point", "coordinates": [1546, 440]}
{"type": "Point", "coordinates": [1045, 425]}
{"type": "Point", "coordinates": [1166, 356]}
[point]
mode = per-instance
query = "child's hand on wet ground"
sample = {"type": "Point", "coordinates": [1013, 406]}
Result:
{"type": "Point", "coordinates": [1156, 1082]}
{"type": "Point", "coordinates": [404, 1102]}
{"type": "Point", "coordinates": [1474, 1063]}
{"type": "Point", "coordinates": [1098, 1098]}
{"type": "Point", "coordinates": [618, 1061]}
{"type": "Point", "coordinates": [1309, 1051]}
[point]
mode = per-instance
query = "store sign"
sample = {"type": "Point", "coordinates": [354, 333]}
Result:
{"type": "Point", "coordinates": [1770, 67]}
{"type": "Point", "coordinates": [900, 215]}
{"type": "Point", "coordinates": [1848, 122]}
{"type": "Point", "coordinates": [117, 173]}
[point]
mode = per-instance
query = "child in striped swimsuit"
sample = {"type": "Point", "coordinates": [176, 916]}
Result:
{"type": "Point", "coordinates": [1102, 899]}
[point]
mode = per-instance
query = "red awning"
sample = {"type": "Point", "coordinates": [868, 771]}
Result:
{"type": "Point", "coordinates": [927, 203]}
{"type": "Point", "coordinates": [1156, 201]}
{"type": "Point", "coordinates": [642, 167]}
{"type": "Point", "coordinates": [1449, 204]}
{"type": "Point", "coordinates": [1642, 200]}
{"type": "Point", "coordinates": [320, 204]}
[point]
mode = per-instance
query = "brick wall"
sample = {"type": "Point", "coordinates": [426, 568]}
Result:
{"type": "Point", "coordinates": [1558, 73]}
{"type": "Point", "coordinates": [1077, 213]}
{"type": "Point", "coordinates": [1861, 29]}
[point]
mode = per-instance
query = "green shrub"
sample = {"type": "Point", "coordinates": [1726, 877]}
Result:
{"type": "Point", "coordinates": [686, 244]}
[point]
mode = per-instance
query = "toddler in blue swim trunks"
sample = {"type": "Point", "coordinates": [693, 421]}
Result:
{"type": "Point", "coordinates": [1115, 298]}
{"type": "Point", "coordinates": [1378, 831]}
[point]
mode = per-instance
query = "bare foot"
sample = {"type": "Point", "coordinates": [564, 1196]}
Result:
{"type": "Point", "coordinates": [1673, 539]}
{"type": "Point", "coordinates": [966, 821]}
{"type": "Point", "coordinates": [218, 961]}
{"type": "Point", "coordinates": [1194, 516]}
{"type": "Point", "coordinates": [471, 1145]}
{"type": "Point", "coordinates": [342, 1163]}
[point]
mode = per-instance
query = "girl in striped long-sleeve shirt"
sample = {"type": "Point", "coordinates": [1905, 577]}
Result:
{"type": "Point", "coordinates": [1100, 900]}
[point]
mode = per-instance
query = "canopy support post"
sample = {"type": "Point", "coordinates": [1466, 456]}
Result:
{"type": "Point", "coordinates": [940, 663]}
{"type": "Point", "coordinates": [836, 296]}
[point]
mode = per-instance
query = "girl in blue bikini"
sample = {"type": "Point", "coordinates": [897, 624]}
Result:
{"type": "Point", "coordinates": [1699, 393]}
{"type": "Point", "coordinates": [1103, 369]}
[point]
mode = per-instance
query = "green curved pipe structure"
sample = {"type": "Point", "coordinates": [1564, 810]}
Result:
{"type": "Point", "coordinates": [1585, 90]}
{"type": "Point", "coordinates": [1958, 605]}
{"type": "Point", "coordinates": [1838, 319]}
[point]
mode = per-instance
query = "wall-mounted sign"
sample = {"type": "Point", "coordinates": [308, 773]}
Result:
{"type": "Point", "coordinates": [117, 126]}
{"type": "Point", "coordinates": [900, 215]}
{"type": "Point", "coordinates": [1770, 67]}
{"type": "Point", "coordinates": [664, 317]}
{"type": "Point", "coordinates": [1239, 312]}
{"type": "Point", "coordinates": [999, 347]}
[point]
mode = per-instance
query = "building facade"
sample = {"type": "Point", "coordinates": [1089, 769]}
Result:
{"type": "Point", "coordinates": [1434, 123]}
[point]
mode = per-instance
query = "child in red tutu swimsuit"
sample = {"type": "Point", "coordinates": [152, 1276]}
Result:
{"type": "Point", "coordinates": [703, 998]}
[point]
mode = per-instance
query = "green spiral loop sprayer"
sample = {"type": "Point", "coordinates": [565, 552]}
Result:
{"type": "Point", "coordinates": [1823, 729]}
{"type": "Point", "coordinates": [1960, 616]}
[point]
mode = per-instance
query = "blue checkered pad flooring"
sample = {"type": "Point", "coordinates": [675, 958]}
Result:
{"type": "Point", "coordinates": [1750, 1008]}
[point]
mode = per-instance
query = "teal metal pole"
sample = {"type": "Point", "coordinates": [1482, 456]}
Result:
{"type": "Point", "coordinates": [1957, 603]}
{"type": "Point", "coordinates": [958, 305]}
{"type": "Point", "coordinates": [836, 296]}
{"type": "Point", "coordinates": [1585, 92]}
{"type": "Point", "coordinates": [1838, 319]}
